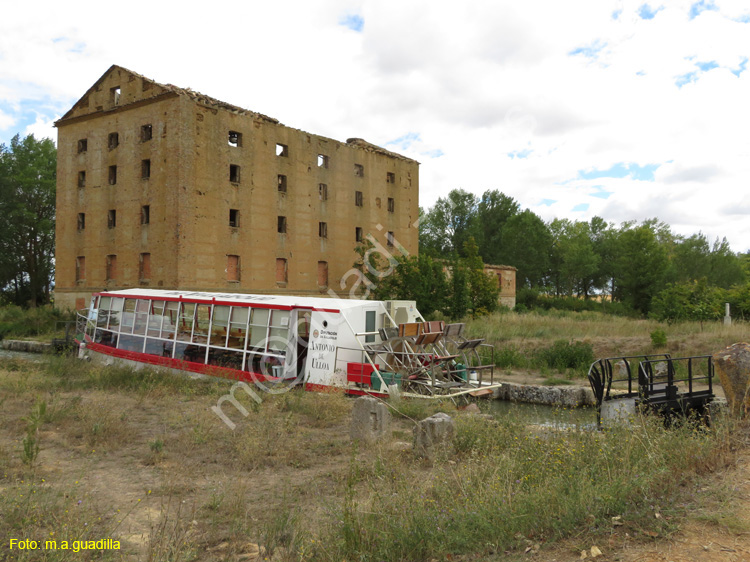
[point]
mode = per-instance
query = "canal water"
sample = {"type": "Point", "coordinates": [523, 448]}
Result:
{"type": "Point", "coordinates": [536, 414]}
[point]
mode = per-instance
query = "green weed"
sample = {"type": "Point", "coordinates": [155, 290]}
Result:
{"type": "Point", "coordinates": [658, 338]}
{"type": "Point", "coordinates": [567, 355]}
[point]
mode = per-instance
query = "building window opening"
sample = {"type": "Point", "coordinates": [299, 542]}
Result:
{"type": "Point", "coordinates": [234, 173]}
{"type": "Point", "coordinates": [389, 239]}
{"type": "Point", "coordinates": [390, 177]}
{"type": "Point", "coordinates": [145, 214]}
{"type": "Point", "coordinates": [147, 133]}
{"type": "Point", "coordinates": [282, 274]}
{"type": "Point", "coordinates": [323, 192]}
{"type": "Point", "coordinates": [81, 179]}
{"type": "Point", "coordinates": [145, 169]}
{"type": "Point", "coordinates": [358, 234]}
{"type": "Point", "coordinates": [111, 218]}
{"type": "Point", "coordinates": [234, 218]}
{"type": "Point", "coordinates": [233, 268]}
{"type": "Point", "coordinates": [144, 267]}
{"type": "Point", "coordinates": [112, 175]}
{"type": "Point", "coordinates": [281, 225]}
{"type": "Point", "coordinates": [235, 139]}
{"type": "Point", "coordinates": [111, 267]}
{"type": "Point", "coordinates": [81, 221]}
{"type": "Point", "coordinates": [358, 198]}
{"type": "Point", "coordinates": [83, 145]}
{"type": "Point", "coordinates": [282, 150]}
{"type": "Point", "coordinates": [323, 229]}
{"type": "Point", "coordinates": [322, 161]}
{"type": "Point", "coordinates": [80, 268]}
{"type": "Point", "coordinates": [322, 274]}
{"type": "Point", "coordinates": [113, 140]}
{"type": "Point", "coordinates": [282, 183]}
{"type": "Point", "coordinates": [391, 205]}
{"type": "Point", "coordinates": [114, 94]}
{"type": "Point", "coordinates": [359, 170]}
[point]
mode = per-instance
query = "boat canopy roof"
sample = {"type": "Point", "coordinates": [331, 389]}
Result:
{"type": "Point", "coordinates": [242, 299]}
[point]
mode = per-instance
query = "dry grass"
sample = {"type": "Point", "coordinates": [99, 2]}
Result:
{"type": "Point", "coordinates": [152, 465]}
{"type": "Point", "coordinates": [526, 334]}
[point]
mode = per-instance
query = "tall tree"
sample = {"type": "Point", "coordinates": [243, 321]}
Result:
{"type": "Point", "coordinates": [690, 259]}
{"type": "Point", "coordinates": [27, 206]}
{"type": "Point", "coordinates": [527, 244]}
{"type": "Point", "coordinates": [450, 223]}
{"type": "Point", "coordinates": [641, 265]}
{"type": "Point", "coordinates": [483, 288]}
{"type": "Point", "coordinates": [575, 263]}
{"type": "Point", "coordinates": [604, 237]}
{"type": "Point", "coordinates": [493, 211]}
{"type": "Point", "coordinates": [725, 267]}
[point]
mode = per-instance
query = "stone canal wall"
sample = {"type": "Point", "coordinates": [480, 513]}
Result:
{"type": "Point", "coordinates": [570, 397]}
{"type": "Point", "coordinates": [27, 346]}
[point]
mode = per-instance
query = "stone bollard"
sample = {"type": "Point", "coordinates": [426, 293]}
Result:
{"type": "Point", "coordinates": [733, 367]}
{"type": "Point", "coordinates": [432, 433]}
{"type": "Point", "coordinates": [370, 420]}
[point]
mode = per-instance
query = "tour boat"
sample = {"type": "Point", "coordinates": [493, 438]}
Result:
{"type": "Point", "coordinates": [360, 346]}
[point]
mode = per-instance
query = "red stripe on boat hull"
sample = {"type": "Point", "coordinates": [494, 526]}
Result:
{"type": "Point", "coordinates": [179, 364]}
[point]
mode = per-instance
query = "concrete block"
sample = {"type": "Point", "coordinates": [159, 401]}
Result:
{"type": "Point", "coordinates": [370, 420]}
{"type": "Point", "coordinates": [433, 433]}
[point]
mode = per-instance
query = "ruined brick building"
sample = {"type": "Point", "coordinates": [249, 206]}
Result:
{"type": "Point", "coordinates": [163, 187]}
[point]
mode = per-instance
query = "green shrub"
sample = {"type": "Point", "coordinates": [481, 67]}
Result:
{"type": "Point", "coordinates": [510, 356]}
{"type": "Point", "coordinates": [567, 355]}
{"type": "Point", "coordinates": [16, 322]}
{"type": "Point", "coordinates": [659, 338]}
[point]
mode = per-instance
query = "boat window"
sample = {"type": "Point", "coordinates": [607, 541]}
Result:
{"type": "Point", "coordinates": [303, 325]}
{"type": "Point", "coordinates": [219, 325]}
{"type": "Point", "coordinates": [115, 312]}
{"type": "Point", "coordinates": [280, 318]}
{"type": "Point", "coordinates": [159, 348]}
{"type": "Point", "coordinates": [170, 319]}
{"type": "Point", "coordinates": [128, 316]}
{"type": "Point", "coordinates": [102, 312]}
{"type": "Point", "coordinates": [185, 324]}
{"type": "Point", "coordinates": [130, 343]}
{"type": "Point", "coordinates": [190, 352]}
{"type": "Point", "coordinates": [369, 325]}
{"type": "Point", "coordinates": [155, 318]}
{"type": "Point", "coordinates": [258, 329]}
{"type": "Point", "coordinates": [238, 327]}
{"type": "Point", "coordinates": [279, 334]}
{"type": "Point", "coordinates": [224, 358]}
{"type": "Point", "coordinates": [202, 321]}
{"type": "Point", "coordinates": [141, 317]}
{"type": "Point", "coordinates": [105, 337]}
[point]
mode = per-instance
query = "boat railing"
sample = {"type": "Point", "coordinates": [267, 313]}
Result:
{"type": "Point", "coordinates": [660, 381]}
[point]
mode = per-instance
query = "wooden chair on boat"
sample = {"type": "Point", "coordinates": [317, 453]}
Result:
{"type": "Point", "coordinates": [469, 352]}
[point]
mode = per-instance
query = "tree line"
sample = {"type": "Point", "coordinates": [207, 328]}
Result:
{"type": "Point", "coordinates": [644, 266]}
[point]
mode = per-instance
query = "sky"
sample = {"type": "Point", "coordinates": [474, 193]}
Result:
{"type": "Point", "coordinates": [611, 108]}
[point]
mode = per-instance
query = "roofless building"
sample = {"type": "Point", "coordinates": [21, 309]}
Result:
{"type": "Point", "coordinates": [162, 187]}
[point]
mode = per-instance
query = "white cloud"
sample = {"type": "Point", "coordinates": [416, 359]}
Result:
{"type": "Point", "coordinates": [6, 121]}
{"type": "Point", "coordinates": [42, 128]}
{"type": "Point", "coordinates": [475, 81]}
